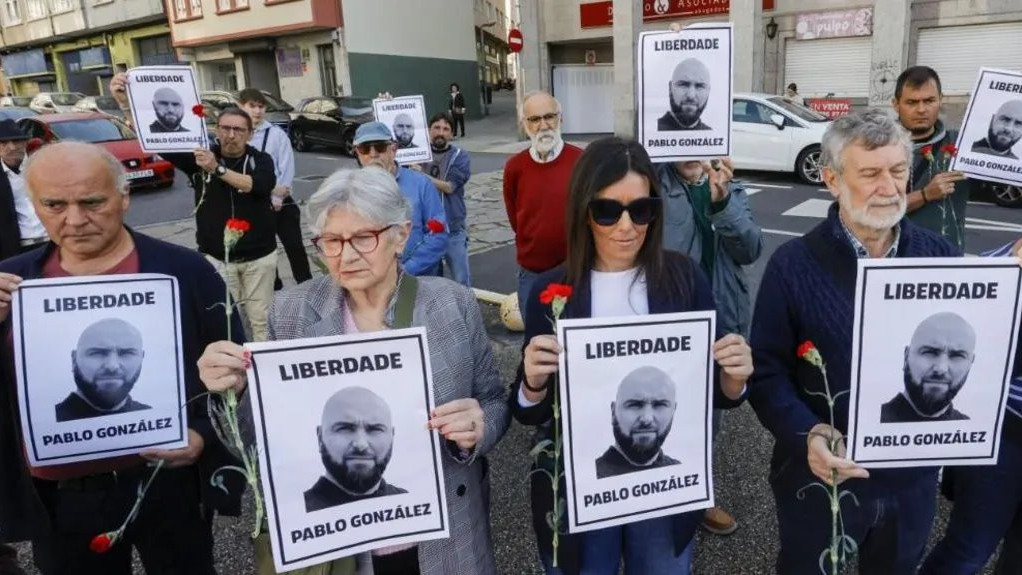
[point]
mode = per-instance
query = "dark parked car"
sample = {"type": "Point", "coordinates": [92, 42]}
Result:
{"type": "Point", "coordinates": [1005, 195]}
{"type": "Point", "coordinates": [329, 121]}
{"type": "Point", "coordinates": [278, 112]}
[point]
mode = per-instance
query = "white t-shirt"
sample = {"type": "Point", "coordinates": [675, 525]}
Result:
{"type": "Point", "coordinates": [29, 225]}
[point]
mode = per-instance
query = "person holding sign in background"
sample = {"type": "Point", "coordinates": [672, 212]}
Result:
{"type": "Point", "coordinates": [807, 294]}
{"type": "Point", "coordinates": [20, 228]}
{"type": "Point", "coordinates": [81, 195]}
{"type": "Point", "coordinates": [616, 266]}
{"type": "Point", "coordinates": [361, 223]}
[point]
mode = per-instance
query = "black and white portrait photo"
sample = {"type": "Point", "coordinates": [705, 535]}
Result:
{"type": "Point", "coordinates": [641, 416]}
{"type": "Point", "coordinates": [356, 440]}
{"type": "Point", "coordinates": [990, 140]}
{"type": "Point", "coordinates": [937, 364]}
{"type": "Point", "coordinates": [99, 364]}
{"type": "Point", "coordinates": [106, 364]}
{"type": "Point", "coordinates": [406, 116]}
{"type": "Point", "coordinates": [932, 353]}
{"type": "Point", "coordinates": [684, 92]}
{"type": "Point", "coordinates": [164, 104]}
{"type": "Point", "coordinates": [340, 422]}
{"type": "Point", "coordinates": [636, 404]}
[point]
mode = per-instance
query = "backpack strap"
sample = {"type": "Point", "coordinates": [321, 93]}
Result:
{"type": "Point", "coordinates": [405, 305]}
{"type": "Point", "coordinates": [266, 136]}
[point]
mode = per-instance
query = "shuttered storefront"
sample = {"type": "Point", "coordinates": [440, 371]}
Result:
{"type": "Point", "coordinates": [586, 94]}
{"type": "Point", "coordinates": [958, 52]}
{"type": "Point", "coordinates": [835, 65]}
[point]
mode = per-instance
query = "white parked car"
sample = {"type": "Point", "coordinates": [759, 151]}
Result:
{"type": "Point", "coordinates": [55, 102]}
{"type": "Point", "coordinates": [771, 133]}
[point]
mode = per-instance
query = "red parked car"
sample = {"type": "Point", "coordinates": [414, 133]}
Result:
{"type": "Point", "coordinates": [143, 169]}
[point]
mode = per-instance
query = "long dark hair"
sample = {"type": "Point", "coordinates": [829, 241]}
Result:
{"type": "Point", "coordinates": [605, 162]}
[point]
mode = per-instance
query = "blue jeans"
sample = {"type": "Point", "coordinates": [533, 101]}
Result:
{"type": "Point", "coordinates": [456, 258]}
{"type": "Point", "coordinates": [525, 281]}
{"type": "Point", "coordinates": [890, 524]}
{"type": "Point", "coordinates": [987, 500]}
{"type": "Point", "coordinates": [646, 546]}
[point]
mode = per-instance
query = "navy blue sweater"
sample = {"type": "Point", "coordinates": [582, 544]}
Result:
{"type": "Point", "coordinates": [807, 293]}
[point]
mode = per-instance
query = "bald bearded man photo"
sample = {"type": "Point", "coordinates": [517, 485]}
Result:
{"type": "Point", "coordinates": [688, 92]}
{"type": "Point", "coordinates": [356, 438]}
{"type": "Point", "coordinates": [1004, 132]}
{"type": "Point", "coordinates": [937, 363]}
{"type": "Point", "coordinates": [642, 415]}
{"type": "Point", "coordinates": [169, 112]}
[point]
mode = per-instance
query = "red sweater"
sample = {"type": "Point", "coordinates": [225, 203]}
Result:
{"type": "Point", "coordinates": [536, 199]}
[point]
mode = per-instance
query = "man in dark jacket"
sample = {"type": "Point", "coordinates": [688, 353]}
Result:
{"type": "Point", "coordinates": [20, 228]}
{"type": "Point", "coordinates": [61, 508]}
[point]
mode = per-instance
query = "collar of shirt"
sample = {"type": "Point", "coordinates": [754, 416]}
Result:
{"type": "Point", "coordinates": [553, 153]}
{"type": "Point", "coordinates": [646, 463]}
{"type": "Point", "coordinates": [373, 489]}
{"type": "Point", "coordinates": [921, 414]}
{"type": "Point", "coordinates": [98, 408]}
{"type": "Point", "coordinates": [860, 249]}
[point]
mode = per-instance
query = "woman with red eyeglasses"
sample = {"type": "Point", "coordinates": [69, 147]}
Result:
{"type": "Point", "coordinates": [617, 267]}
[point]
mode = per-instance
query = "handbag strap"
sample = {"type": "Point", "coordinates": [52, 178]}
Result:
{"type": "Point", "coordinates": [405, 304]}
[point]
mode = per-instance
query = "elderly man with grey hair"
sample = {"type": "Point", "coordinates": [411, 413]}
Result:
{"type": "Point", "coordinates": [807, 294]}
{"type": "Point", "coordinates": [81, 195]}
{"type": "Point", "coordinates": [360, 222]}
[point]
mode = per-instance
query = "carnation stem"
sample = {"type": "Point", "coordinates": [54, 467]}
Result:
{"type": "Point", "coordinates": [557, 467]}
{"type": "Point", "coordinates": [835, 501]}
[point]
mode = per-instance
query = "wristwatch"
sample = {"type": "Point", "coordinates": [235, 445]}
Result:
{"type": "Point", "coordinates": [220, 171]}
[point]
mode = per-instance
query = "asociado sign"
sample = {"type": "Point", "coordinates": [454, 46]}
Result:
{"type": "Point", "coordinates": [597, 14]}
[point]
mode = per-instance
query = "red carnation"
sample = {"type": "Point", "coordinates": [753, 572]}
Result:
{"type": "Point", "coordinates": [806, 347]}
{"type": "Point", "coordinates": [927, 152]}
{"type": "Point", "coordinates": [949, 149]}
{"type": "Point", "coordinates": [238, 225]}
{"type": "Point", "coordinates": [435, 226]}
{"type": "Point", "coordinates": [101, 543]}
{"type": "Point", "coordinates": [199, 110]}
{"type": "Point", "coordinates": [554, 291]}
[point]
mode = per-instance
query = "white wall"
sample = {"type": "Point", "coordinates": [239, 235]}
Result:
{"type": "Point", "coordinates": [308, 84]}
{"type": "Point", "coordinates": [433, 29]}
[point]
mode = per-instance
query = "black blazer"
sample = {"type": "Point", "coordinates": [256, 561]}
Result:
{"type": "Point", "coordinates": [10, 233]}
{"type": "Point", "coordinates": [458, 101]}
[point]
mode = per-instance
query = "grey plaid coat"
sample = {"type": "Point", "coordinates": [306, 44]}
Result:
{"type": "Point", "coordinates": [463, 366]}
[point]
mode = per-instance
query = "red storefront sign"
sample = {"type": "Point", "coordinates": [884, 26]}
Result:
{"type": "Point", "coordinates": [830, 107]}
{"type": "Point", "coordinates": [597, 14]}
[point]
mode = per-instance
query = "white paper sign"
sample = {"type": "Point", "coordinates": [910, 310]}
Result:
{"type": "Point", "coordinates": [162, 98]}
{"type": "Point", "coordinates": [406, 118]}
{"type": "Point", "coordinates": [932, 355]}
{"type": "Point", "coordinates": [347, 462]}
{"type": "Point", "coordinates": [685, 92]}
{"type": "Point", "coordinates": [990, 142]}
{"type": "Point", "coordinates": [99, 366]}
{"type": "Point", "coordinates": [636, 401]}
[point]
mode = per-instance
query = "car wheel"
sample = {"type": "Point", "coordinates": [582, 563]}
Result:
{"type": "Point", "coordinates": [1007, 195]}
{"type": "Point", "coordinates": [349, 144]}
{"type": "Point", "coordinates": [808, 167]}
{"type": "Point", "coordinates": [298, 139]}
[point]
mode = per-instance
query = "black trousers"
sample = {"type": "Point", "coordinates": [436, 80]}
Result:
{"type": "Point", "coordinates": [401, 563]}
{"type": "Point", "coordinates": [289, 230]}
{"type": "Point", "coordinates": [459, 120]}
{"type": "Point", "coordinates": [171, 533]}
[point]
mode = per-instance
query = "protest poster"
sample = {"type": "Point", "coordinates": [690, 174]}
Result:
{"type": "Point", "coordinates": [636, 402]}
{"type": "Point", "coordinates": [933, 346]}
{"type": "Point", "coordinates": [163, 103]}
{"type": "Point", "coordinates": [406, 118]}
{"type": "Point", "coordinates": [347, 463]}
{"type": "Point", "coordinates": [99, 366]}
{"type": "Point", "coordinates": [988, 143]}
{"type": "Point", "coordinates": [685, 92]}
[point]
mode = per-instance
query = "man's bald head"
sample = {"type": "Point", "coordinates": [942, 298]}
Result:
{"type": "Point", "coordinates": [55, 162]}
{"type": "Point", "coordinates": [107, 361]}
{"type": "Point", "coordinates": [643, 412]}
{"type": "Point", "coordinates": [356, 400]}
{"type": "Point", "coordinates": [689, 90]}
{"type": "Point", "coordinates": [404, 130]}
{"type": "Point", "coordinates": [938, 360]}
{"type": "Point", "coordinates": [168, 107]}
{"type": "Point", "coordinates": [1006, 126]}
{"type": "Point", "coordinates": [356, 438]}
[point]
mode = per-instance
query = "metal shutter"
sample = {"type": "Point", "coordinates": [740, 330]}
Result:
{"type": "Point", "coordinates": [957, 52]}
{"type": "Point", "coordinates": [838, 65]}
{"type": "Point", "coordinates": [586, 94]}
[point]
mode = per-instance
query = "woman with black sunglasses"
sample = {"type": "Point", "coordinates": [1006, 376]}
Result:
{"type": "Point", "coordinates": [617, 267]}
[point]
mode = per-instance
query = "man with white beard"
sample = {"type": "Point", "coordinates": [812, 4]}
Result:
{"type": "Point", "coordinates": [807, 295]}
{"type": "Point", "coordinates": [536, 191]}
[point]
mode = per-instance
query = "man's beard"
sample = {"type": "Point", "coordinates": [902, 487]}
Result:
{"type": "Point", "coordinates": [643, 450]}
{"type": "Point", "coordinates": [544, 141]}
{"type": "Point", "coordinates": [169, 120]}
{"type": "Point", "coordinates": [357, 480]}
{"type": "Point", "coordinates": [998, 142]}
{"type": "Point", "coordinates": [440, 144]}
{"type": "Point", "coordinates": [106, 397]}
{"type": "Point", "coordinates": [931, 404]}
{"type": "Point", "coordinates": [683, 117]}
{"type": "Point", "coordinates": [863, 217]}
{"type": "Point", "coordinates": [405, 142]}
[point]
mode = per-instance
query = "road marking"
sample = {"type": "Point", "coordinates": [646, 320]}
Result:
{"type": "Point", "coordinates": [982, 204]}
{"type": "Point", "coordinates": [812, 208]}
{"type": "Point", "coordinates": [327, 158]}
{"type": "Point", "coordinates": [1013, 226]}
{"type": "Point", "coordinates": [759, 185]}
{"type": "Point", "coordinates": [752, 191]}
{"type": "Point", "coordinates": [781, 232]}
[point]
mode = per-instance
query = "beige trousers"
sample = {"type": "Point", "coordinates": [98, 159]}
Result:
{"type": "Point", "coordinates": [251, 285]}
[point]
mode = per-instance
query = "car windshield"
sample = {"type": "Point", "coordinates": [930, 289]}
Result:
{"type": "Point", "coordinates": [11, 113]}
{"type": "Point", "coordinates": [276, 104]}
{"type": "Point", "coordinates": [93, 130]}
{"type": "Point", "coordinates": [65, 99]}
{"type": "Point", "coordinates": [355, 106]}
{"type": "Point", "coordinates": [107, 103]}
{"type": "Point", "coordinates": [21, 101]}
{"type": "Point", "coordinates": [799, 110]}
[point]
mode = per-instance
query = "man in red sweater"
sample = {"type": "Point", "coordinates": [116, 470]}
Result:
{"type": "Point", "coordinates": [536, 191]}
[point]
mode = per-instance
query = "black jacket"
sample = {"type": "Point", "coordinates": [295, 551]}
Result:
{"type": "Point", "coordinates": [669, 123]}
{"type": "Point", "coordinates": [10, 233]}
{"type": "Point", "coordinates": [74, 407]}
{"type": "Point", "coordinates": [899, 410]}
{"type": "Point", "coordinates": [458, 101]}
{"type": "Point", "coordinates": [325, 494]}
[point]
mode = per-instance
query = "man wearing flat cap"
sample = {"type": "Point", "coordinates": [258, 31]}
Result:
{"type": "Point", "coordinates": [20, 229]}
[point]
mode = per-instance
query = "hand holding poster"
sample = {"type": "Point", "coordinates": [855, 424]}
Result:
{"type": "Point", "coordinates": [636, 400]}
{"type": "Point", "coordinates": [347, 463]}
{"type": "Point", "coordinates": [99, 366]}
{"type": "Point", "coordinates": [931, 360]}
{"type": "Point", "coordinates": [988, 144]}
{"type": "Point", "coordinates": [685, 92]}
{"type": "Point", "coordinates": [406, 117]}
{"type": "Point", "coordinates": [163, 100]}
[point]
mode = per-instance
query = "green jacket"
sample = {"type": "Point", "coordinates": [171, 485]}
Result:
{"type": "Point", "coordinates": [945, 217]}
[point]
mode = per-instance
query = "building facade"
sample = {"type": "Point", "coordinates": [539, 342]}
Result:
{"type": "Point", "coordinates": [842, 49]}
{"type": "Point", "coordinates": [491, 27]}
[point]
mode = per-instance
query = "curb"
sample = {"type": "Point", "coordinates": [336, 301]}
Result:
{"type": "Point", "coordinates": [488, 296]}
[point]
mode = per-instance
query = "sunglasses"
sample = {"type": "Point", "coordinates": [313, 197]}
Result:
{"type": "Point", "coordinates": [380, 147]}
{"type": "Point", "coordinates": [608, 212]}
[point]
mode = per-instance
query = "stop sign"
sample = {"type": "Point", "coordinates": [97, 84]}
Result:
{"type": "Point", "coordinates": [514, 40]}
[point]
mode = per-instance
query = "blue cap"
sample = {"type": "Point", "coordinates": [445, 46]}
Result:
{"type": "Point", "coordinates": [373, 132]}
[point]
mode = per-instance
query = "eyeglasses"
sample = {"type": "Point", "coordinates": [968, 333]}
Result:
{"type": "Point", "coordinates": [607, 212]}
{"type": "Point", "coordinates": [363, 243]}
{"type": "Point", "coordinates": [380, 147]}
{"type": "Point", "coordinates": [550, 119]}
{"type": "Point", "coordinates": [232, 129]}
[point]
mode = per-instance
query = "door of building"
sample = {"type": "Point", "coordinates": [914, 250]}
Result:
{"type": "Point", "coordinates": [327, 69]}
{"type": "Point", "coordinates": [958, 52]}
{"type": "Point", "coordinates": [806, 60]}
{"type": "Point", "coordinates": [78, 80]}
{"type": "Point", "coordinates": [261, 71]}
{"type": "Point", "coordinates": [586, 94]}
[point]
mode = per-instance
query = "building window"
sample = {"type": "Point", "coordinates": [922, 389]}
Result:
{"type": "Point", "coordinates": [223, 6]}
{"type": "Point", "coordinates": [35, 9]}
{"type": "Point", "coordinates": [187, 9]}
{"type": "Point", "coordinates": [12, 12]}
{"type": "Point", "coordinates": [58, 6]}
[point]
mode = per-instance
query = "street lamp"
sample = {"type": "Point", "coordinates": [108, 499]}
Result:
{"type": "Point", "coordinates": [771, 28]}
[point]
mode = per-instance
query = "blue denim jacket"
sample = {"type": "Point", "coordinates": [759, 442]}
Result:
{"type": "Point", "coordinates": [424, 249]}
